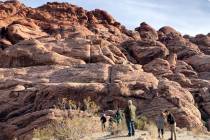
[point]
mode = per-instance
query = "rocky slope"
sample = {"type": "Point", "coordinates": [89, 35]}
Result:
{"type": "Point", "coordinates": [60, 51]}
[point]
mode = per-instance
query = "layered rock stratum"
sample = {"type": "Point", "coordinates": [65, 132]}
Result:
{"type": "Point", "coordinates": [61, 51]}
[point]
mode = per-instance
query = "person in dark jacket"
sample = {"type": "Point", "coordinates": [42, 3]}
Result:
{"type": "Point", "coordinates": [172, 124]}
{"type": "Point", "coordinates": [118, 117]}
{"type": "Point", "coordinates": [130, 116]}
{"type": "Point", "coordinates": [103, 122]}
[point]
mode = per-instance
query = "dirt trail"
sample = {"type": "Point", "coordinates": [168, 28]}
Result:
{"type": "Point", "coordinates": [144, 136]}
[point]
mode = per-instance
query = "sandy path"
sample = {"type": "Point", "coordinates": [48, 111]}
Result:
{"type": "Point", "coordinates": [143, 134]}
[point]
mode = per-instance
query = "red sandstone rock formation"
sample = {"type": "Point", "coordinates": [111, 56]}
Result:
{"type": "Point", "coordinates": [60, 51]}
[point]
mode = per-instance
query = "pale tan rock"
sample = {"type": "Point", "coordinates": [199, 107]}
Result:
{"type": "Point", "coordinates": [158, 67]}
{"type": "Point", "coordinates": [32, 52]}
{"type": "Point", "coordinates": [18, 32]}
{"type": "Point", "coordinates": [19, 88]}
{"type": "Point", "coordinates": [172, 59]}
{"type": "Point", "coordinates": [91, 51]}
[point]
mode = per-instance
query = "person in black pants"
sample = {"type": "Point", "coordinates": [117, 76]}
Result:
{"type": "Point", "coordinates": [130, 117]}
{"type": "Point", "coordinates": [172, 124]}
{"type": "Point", "coordinates": [103, 122]}
{"type": "Point", "coordinates": [160, 122]}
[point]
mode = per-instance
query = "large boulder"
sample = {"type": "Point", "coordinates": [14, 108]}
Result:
{"type": "Point", "coordinates": [32, 53]}
{"type": "Point", "coordinates": [90, 50]}
{"type": "Point", "coordinates": [179, 101]}
{"type": "Point", "coordinates": [177, 44]}
{"type": "Point", "coordinates": [181, 79]}
{"type": "Point", "coordinates": [23, 30]}
{"type": "Point", "coordinates": [203, 42]}
{"type": "Point", "coordinates": [132, 81]}
{"type": "Point", "coordinates": [103, 51]}
{"type": "Point", "coordinates": [168, 30]}
{"type": "Point", "coordinates": [186, 69]}
{"type": "Point", "coordinates": [147, 50]}
{"type": "Point", "coordinates": [158, 67]}
{"type": "Point", "coordinates": [200, 63]}
{"type": "Point", "coordinates": [147, 32]}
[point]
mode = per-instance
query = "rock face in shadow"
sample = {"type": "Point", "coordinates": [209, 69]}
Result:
{"type": "Point", "coordinates": [59, 51]}
{"type": "Point", "coordinates": [203, 42]}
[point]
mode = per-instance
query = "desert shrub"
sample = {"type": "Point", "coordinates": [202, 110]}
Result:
{"type": "Point", "coordinates": [197, 131]}
{"type": "Point", "coordinates": [65, 103]}
{"type": "Point", "coordinates": [90, 106]}
{"type": "Point", "coordinates": [152, 130]}
{"type": "Point", "coordinates": [141, 122]}
{"type": "Point", "coordinates": [43, 133]}
{"type": "Point", "coordinates": [69, 129]}
{"type": "Point", "coordinates": [116, 129]}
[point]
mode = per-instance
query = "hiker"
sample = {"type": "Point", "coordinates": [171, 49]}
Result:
{"type": "Point", "coordinates": [103, 122]}
{"type": "Point", "coordinates": [160, 121]}
{"type": "Point", "coordinates": [130, 116]}
{"type": "Point", "coordinates": [172, 124]}
{"type": "Point", "coordinates": [111, 124]}
{"type": "Point", "coordinates": [118, 117]}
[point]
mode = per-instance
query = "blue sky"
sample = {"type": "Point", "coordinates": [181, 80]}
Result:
{"type": "Point", "coordinates": [187, 16]}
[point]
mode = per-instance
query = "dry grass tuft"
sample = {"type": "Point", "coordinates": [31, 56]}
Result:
{"type": "Point", "coordinates": [72, 129]}
{"type": "Point", "coordinates": [141, 122]}
{"type": "Point", "coordinates": [152, 129]}
{"type": "Point", "coordinates": [118, 129]}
